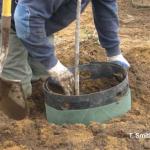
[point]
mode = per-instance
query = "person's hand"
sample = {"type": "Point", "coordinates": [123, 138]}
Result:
{"type": "Point", "coordinates": [62, 75]}
{"type": "Point", "coordinates": [120, 60]}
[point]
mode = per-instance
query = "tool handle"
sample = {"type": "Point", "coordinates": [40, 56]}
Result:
{"type": "Point", "coordinates": [6, 8]}
{"type": "Point", "coordinates": [5, 29]}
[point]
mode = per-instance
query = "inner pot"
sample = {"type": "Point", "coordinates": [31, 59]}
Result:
{"type": "Point", "coordinates": [101, 83]}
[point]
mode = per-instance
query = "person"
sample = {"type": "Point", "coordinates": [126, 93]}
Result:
{"type": "Point", "coordinates": [32, 52]}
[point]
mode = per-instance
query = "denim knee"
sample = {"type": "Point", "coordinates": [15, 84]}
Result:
{"type": "Point", "coordinates": [21, 17]}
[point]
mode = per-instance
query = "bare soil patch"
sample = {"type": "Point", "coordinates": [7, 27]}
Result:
{"type": "Point", "coordinates": [35, 133]}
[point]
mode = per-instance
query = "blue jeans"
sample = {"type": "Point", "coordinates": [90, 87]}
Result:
{"type": "Point", "coordinates": [37, 19]}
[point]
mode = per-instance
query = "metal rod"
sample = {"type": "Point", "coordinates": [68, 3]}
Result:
{"type": "Point", "coordinates": [77, 49]}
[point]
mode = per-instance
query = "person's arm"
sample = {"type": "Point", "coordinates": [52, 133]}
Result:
{"type": "Point", "coordinates": [64, 16]}
{"type": "Point", "coordinates": [107, 25]}
{"type": "Point", "coordinates": [30, 29]}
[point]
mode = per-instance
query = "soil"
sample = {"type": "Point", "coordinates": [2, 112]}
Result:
{"type": "Point", "coordinates": [141, 3]}
{"type": "Point", "coordinates": [35, 133]}
{"type": "Point", "coordinates": [89, 85]}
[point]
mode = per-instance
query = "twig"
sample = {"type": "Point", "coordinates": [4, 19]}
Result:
{"type": "Point", "coordinates": [77, 48]}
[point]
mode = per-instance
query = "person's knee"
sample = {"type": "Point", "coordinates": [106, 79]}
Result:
{"type": "Point", "coordinates": [21, 17]}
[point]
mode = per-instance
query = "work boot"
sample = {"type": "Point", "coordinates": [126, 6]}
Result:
{"type": "Point", "coordinates": [12, 101]}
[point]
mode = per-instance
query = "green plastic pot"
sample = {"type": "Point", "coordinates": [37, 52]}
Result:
{"type": "Point", "coordinates": [100, 106]}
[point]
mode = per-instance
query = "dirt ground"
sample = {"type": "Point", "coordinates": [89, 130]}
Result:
{"type": "Point", "coordinates": [34, 133]}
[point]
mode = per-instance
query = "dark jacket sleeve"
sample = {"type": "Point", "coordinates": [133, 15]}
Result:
{"type": "Point", "coordinates": [64, 16]}
{"type": "Point", "coordinates": [0, 7]}
{"type": "Point", "coordinates": [14, 4]}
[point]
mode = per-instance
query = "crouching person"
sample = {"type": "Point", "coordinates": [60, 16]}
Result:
{"type": "Point", "coordinates": [32, 52]}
